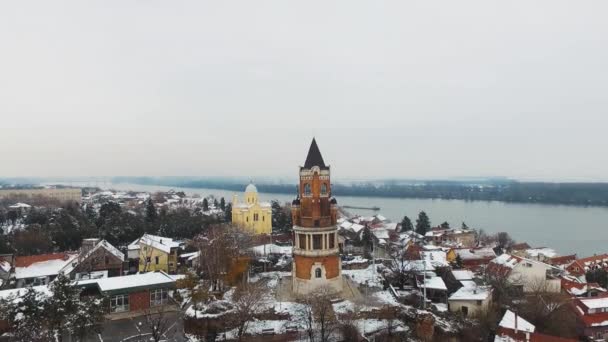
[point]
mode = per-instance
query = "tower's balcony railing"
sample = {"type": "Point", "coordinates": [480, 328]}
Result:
{"type": "Point", "coordinates": [323, 221]}
{"type": "Point", "coordinates": [315, 252]}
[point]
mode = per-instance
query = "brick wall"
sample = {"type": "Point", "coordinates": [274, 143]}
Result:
{"type": "Point", "coordinates": [304, 265]}
{"type": "Point", "coordinates": [139, 300]}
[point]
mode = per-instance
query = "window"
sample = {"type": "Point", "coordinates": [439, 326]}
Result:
{"type": "Point", "coordinates": [156, 259]}
{"type": "Point", "coordinates": [107, 260]}
{"type": "Point", "coordinates": [263, 218]}
{"type": "Point", "coordinates": [158, 297]}
{"type": "Point", "coordinates": [307, 190]}
{"type": "Point", "coordinates": [256, 217]}
{"type": "Point", "coordinates": [318, 273]}
{"type": "Point", "coordinates": [332, 240]}
{"type": "Point", "coordinates": [147, 260]}
{"type": "Point", "coordinates": [316, 241]}
{"type": "Point", "coordinates": [302, 239]}
{"type": "Point", "coordinates": [247, 219]}
{"type": "Point", "coordinates": [464, 310]}
{"type": "Point", "coordinates": [479, 303]}
{"type": "Point", "coordinates": [324, 189]}
{"type": "Point", "coordinates": [119, 303]}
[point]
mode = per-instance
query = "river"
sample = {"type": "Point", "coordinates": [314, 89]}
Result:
{"type": "Point", "coordinates": [567, 229]}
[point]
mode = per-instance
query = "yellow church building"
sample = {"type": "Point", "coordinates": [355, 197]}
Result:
{"type": "Point", "coordinates": [252, 215]}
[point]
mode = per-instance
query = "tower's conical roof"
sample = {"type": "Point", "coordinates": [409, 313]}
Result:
{"type": "Point", "coordinates": [314, 157]}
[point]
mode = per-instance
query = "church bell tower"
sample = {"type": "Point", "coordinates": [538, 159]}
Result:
{"type": "Point", "coordinates": [316, 257]}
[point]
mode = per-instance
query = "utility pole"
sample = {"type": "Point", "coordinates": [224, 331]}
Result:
{"type": "Point", "coordinates": [424, 285]}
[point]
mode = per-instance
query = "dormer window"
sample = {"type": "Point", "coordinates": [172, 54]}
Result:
{"type": "Point", "coordinates": [324, 189]}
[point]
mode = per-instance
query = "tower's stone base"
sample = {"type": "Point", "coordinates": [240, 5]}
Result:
{"type": "Point", "coordinates": [306, 286]}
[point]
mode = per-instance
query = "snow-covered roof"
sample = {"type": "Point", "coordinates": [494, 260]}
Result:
{"type": "Point", "coordinates": [130, 281]}
{"type": "Point", "coordinates": [508, 321]}
{"type": "Point", "coordinates": [190, 256]}
{"type": "Point", "coordinates": [391, 226]}
{"type": "Point", "coordinates": [251, 188]}
{"type": "Point", "coordinates": [472, 293]}
{"type": "Point", "coordinates": [506, 260]}
{"type": "Point", "coordinates": [595, 303]}
{"type": "Point", "coordinates": [380, 234]}
{"type": "Point", "coordinates": [380, 217]}
{"type": "Point", "coordinates": [5, 266]}
{"type": "Point", "coordinates": [43, 268]}
{"type": "Point", "coordinates": [20, 206]}
{"type": "Point", "coordinates": [475, 253]}
{"type": "Point", "coordinates": [69, 267]}
{"type": "Point", "coordinates": [463, 274]}
{"type": "Point", "coordinates": [435, 283]}
{"type": "Point", "coordinates": [547, 252]}
{"type": "Point", "coordinates": [161, 243]}
{"type": "Point", "coordinates": [345, 225]}
{"type": "Point", "coordinates": [356, 227]}
{"type": "Point", "coordinates": [272, 249]}
{"type": "Point", "coordinates": [43, 290]}
{"type": "Point", "coordinates": [437, 258]}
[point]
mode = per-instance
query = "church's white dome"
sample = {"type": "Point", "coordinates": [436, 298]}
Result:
{"type": "Point", "coordinates": [251, 188]}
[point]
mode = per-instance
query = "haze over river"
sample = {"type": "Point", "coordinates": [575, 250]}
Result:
{"type": "Point", "coordinates": [567, 229]}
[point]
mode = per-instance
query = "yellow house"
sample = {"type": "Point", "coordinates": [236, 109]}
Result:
{"type": "Point", "coordinates": [157, 253]}
{"type": "Point", "coordinates": [450, 256]}
{"type": "Point", "coordinates": [252, 215]}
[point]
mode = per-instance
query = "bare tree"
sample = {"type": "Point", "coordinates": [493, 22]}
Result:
{"type": "Point", "coordinates": [401, 268]}
{"type": "Point", "coordinates": [319, 315]}
{"type": "Point", "coordinates": [247, 299]}
{"type": "Point", "coordinates": [158, 323]}
{"type": "Point", "coordinates": [219, 250]}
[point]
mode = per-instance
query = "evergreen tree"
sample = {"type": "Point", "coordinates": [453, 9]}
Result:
{"type": "Point", "coordinates": [464, 226]}
{"type": "Point", "coordinates": [367, 240]}
{"type": "Point", "coordinates": [223, 204]}
{"type": "Point", "coordinates": [205, 205]}
{"type": "Point", "coordinates": [216, 204]}
{"type": "Point", "coordinates": [151, 213]}
{"type": "Point", "coordinates": [406, 224]}
{"type": "Point", "coordinates": [228, 211]}
{"type": "Point", "coordinates": [423, 224]}
{"type": "Point", "coordinates": [458, 262]}
{"type": "Point", "coordinates": [445, 225]}
{"type": "Point", "coordinates": [26, 316]}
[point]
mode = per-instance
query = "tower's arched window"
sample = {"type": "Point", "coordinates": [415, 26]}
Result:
{"type": "Point", "coordinates": [318, 273]}
{"type": "Point", "coordinates": [307, 190]}
{"type": "Point", "coordinates": [324, 189]}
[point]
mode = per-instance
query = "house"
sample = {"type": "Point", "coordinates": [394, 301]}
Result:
{"type": "Point", "coordinates": [526, 274]}
{"type": "Point", "coordinates": [513, 328]}
{"type": "Point", "coordinates": [132, 295]}
{"type": "Point", "coordinates": [471, 301]}
{"type": "Point", "coordinates": [522, 246]}
{"type": "Point", "coordinates": [156, 253]}
{"type": "Point", "coordinates": [96, 257]}
{"type": "Point", "coordinates": [561, 261]}
{"type": "Point", "coordinates": [475, 258]}
{"type": "Point", "coordinates": [40, 269]}
{"type": "Point", "coordinates": [191, 260]}
{"type": "Point", "coordinates": [435, 287]}
{"type": "Point", "coordinates": [592, 317]}
{"type": "Point", "coordinates": [540, 253]}
{"type": "Point", "coordinates": [574, 288]}
{"type": "Point", "coordinates": [581, 266]}
{"type": "Point", "coordinates": [462, 237]}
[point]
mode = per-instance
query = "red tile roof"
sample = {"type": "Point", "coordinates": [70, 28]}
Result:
{"type": "Point", "coordinates": [520, 246]}
{"type": "Point", "coordinates": [25, 261]}
{"type": "Point", "coordinates": [562, 260]}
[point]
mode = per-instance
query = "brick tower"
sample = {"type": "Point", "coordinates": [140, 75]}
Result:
{"type": "Point", "coordinates": [316, 257]}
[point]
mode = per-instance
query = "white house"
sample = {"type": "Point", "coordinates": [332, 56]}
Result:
{"type": "Point", "coordinates": [470, 301]}
{"type": "Point", "coordinates": [529, 275]}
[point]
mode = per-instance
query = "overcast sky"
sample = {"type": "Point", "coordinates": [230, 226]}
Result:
{"type": "Point", "coordinates": [412, 89]}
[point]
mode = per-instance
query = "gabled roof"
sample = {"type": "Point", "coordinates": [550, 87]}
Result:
{"type": "Point", "coordinates": [314, 157]}
{"type": "Point", "coordinates": [101, 244]}
{"type": "Point", "coordinates": [161, 243]}
{"type": "Point", "coordinates": [511, 321]}
{"type": "Point", "coordinates": [25, 261]}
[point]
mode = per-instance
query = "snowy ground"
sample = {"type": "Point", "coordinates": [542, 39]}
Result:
{"type": "Point", "coordinates": [365, 276]}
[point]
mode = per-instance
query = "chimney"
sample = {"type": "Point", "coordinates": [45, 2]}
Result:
{"type": "Point", "coordinates": [515, 313]}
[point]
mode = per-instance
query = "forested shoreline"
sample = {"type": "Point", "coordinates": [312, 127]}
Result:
{"type": "Point", "coordinates": [582, 194]}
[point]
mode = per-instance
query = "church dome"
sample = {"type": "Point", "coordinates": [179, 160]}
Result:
{"type": "Point", "coordinates": [251, 188]}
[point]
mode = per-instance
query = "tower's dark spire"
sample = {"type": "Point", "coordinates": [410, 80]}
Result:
{"type": "Point", "coordinates": [314, 157]}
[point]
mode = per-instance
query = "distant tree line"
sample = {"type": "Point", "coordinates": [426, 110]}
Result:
{"type": "Point", "coordinates": [592, 194]}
